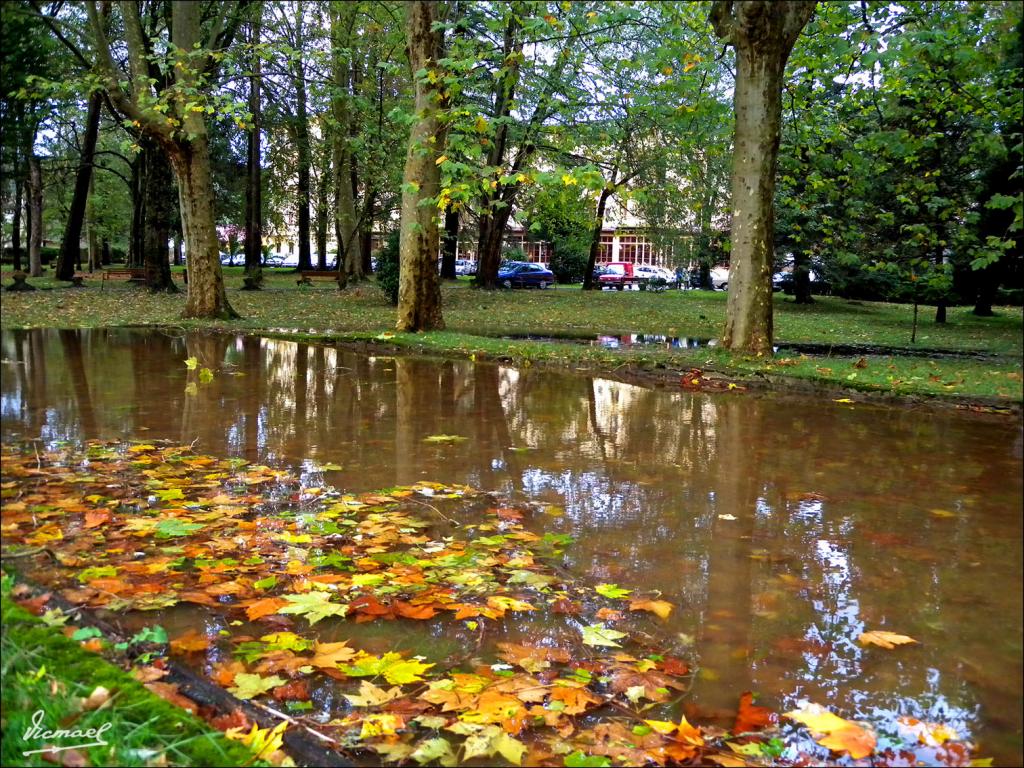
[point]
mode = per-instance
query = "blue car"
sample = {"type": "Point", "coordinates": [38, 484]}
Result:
{"type": "Point", "coordinates": [523, 274]}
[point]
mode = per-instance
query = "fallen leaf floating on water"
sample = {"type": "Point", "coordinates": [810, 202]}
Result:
{"type": "Point", "coordinates": [884, 639]}
{"type": "Point", "coordinates": [661, 608]}
{"type": "Point", "coordinates": [751, 717]}
{"type": "Point", "coordinates": [253, 543]}
{"type": "Point", "coordinates": [838, 735]}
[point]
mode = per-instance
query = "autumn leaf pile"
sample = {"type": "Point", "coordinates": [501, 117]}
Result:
{"type": "Point", "coordinates": [146, 526]}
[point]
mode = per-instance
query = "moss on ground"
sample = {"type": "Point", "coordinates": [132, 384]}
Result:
{"type": "Point", "coordinates": [42, 670]}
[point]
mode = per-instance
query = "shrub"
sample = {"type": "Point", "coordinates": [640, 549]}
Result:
{"type": "Point", "coordinates": [389, 268]}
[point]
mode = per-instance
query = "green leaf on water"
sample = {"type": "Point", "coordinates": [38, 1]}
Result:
{"type": "Point", "coordinates": [597, 635]}
{"type": "Point", "coordinates": [168, 494]}
{"type": "Point", "coordinates": [173, 527]}
{"type": "Point", "coordinates": [314, 606]}
{"type": "Point", "coordinates": [85, 633]}
{"type": "Point", "coordinates": [268, 583]}
{"type": "Point", "coordinates": [192, 363]}
{"type": "Point", "coordinates": [97, 572]}
{"type": "Point", "coordinates": [580, 759]}
{"type": "Point", "coordinates": [250, 686]}
{"type": "Point", "coordinates": [205, 376]}
{"type": "Point", "coordinates": [613, 591]}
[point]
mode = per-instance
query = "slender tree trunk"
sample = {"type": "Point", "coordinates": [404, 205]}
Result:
{"type": "Point", "coordinates": [449, 244]}
{"type": "Point", "coordinates": [177, 249]}
{"type": "Point", "coordinates": [595, 240]}
{"type": "Point", "coordinates": [254, 173]}
{"type": "Point", "coordinates": [137, 228]}
{"type": "Point", "coordinates": [157, 222]}
{"type": "Point", "coordinates": [35, 187]}
{"type": "Point", "coordinates": [940, 312]}
{"type": "Point", "coordinates": [320, 218]}
{"type": "Point", "coordinates": [801, 279]}
{"type": "Point", "coordinates": [91, 235]}
{"type": "Point", "coordinates": [493, 219]}
{"type": "Point", "coordinates": [419, 291]}
{"type": "Point", "coordinates": [302, 146]}
{"type": "Point", "coordinates": [206, 295]}
{"type": "Point", "coordinates": [366, 230]}
{"type": "Point", "coordinates": [345, 224]}
{"type": "Point", "coordinates": [70, 248]}
{"type": "Point", "coordinates": [763, 34]}
{"type": "Point", "coordinates": [16, 226]}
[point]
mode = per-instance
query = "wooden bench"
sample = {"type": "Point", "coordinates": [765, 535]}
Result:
{"type": "Point", "coordinates": [308, 276]}
{"type": "Point", "coordinates": [132, 275]}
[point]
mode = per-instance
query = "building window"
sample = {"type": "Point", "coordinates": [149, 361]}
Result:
{"type": "Point", "coordinates": [291, 247]}
{"type": "Point", "coordinates": [605, 248]}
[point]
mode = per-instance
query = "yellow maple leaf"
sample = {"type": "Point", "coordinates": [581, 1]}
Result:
{"type": "Point", "coordinates": [262, 741]}
{"type": "Point", "coordinates": [884, 639]}
{"type": "Point", "coordinates": [504, 603]}
{"type": "Point", "coordinates": [383, 724]}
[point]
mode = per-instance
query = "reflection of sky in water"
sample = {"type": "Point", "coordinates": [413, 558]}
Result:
{"type": "Point", "coordinates": [792, 513]}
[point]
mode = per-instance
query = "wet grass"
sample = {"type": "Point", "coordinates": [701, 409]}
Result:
{"type": "Point", "coordinates": [477, 319]}
{"type": "Point", "coordinates": [45, 672]}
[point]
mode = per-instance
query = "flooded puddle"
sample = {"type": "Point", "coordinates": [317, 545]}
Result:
{"type": "Point", "coordinates": [780, 527]}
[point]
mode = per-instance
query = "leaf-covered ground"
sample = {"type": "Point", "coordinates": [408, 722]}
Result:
{"type": "Point", "coordinates": [132, 527]}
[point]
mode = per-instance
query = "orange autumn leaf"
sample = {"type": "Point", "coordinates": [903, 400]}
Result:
{"type": "Point", "coordinates": [661, 608]}
{"type": "Point", "coordinates": [576, 700]}
{"type": "Point", "coordinates": [839, 735]}
{"type": "Point", "coordinates": [190, 642]}
{"type": "Point", "coordinates": [413, 611]}
{"type": "Point", "coordinates": [265, 606]}
{"type": "Point", "coordinates": [96, 517]}
{"type": "Point", "coordinates": [330, 655]}
{"type": "Point", "coordinates": [752, 717]}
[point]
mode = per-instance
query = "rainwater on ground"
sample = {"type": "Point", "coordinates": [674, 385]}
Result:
{"type": "Point", "coordinates": [781, 527]}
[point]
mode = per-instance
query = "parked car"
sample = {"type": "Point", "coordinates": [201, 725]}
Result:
{"type": "Point", "coordinates": [720, 278]}
{"type": "Point", "coordinates": [620, 274]}
{"type": "Point", "coordinates": [523, 274]}
{"type": "Point", "coordinates": [465, 267]}
{"type": "Point", "coordinates": [655, 273]}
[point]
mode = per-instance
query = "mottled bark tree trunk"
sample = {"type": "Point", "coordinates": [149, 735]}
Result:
{"type": "Point", "coordinates": [206, 295]}
{"type": "Point", "coordinates": [70, 247]}
{"type": "Point", "coordinates": [763, 34]}
{"type": "Point", "coordinates": [16, 226]}
{"type": "Point", "coordinates": [35, 199]}
{"type": "Point", "coordinates": [419, 291]}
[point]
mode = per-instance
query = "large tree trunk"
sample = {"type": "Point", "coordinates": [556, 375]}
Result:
{"type": "Point", "coordinates": [763, 34]}
{"type": "Point", "coordinates": [16, 226]}
{"type": "Point", "coordinates": [156, 230]}
{"type": "Point", "coordinates": [449, 244]}
{"type": "Point", "coordinates": [206, 295]}
{"type": "Point", "coordinates": [70, 247]}
{"type": "Point", "coordinates": [254, 174]}
{"type": "Point", "coordinates": [320, 216]}
{"type": "Point", "coordinates": [92, 237]}
{"type": "Point", "coordinates": [419, 291]}
{"type": "Point", "coordinates": [35, 199]}
{"type": "Point", "coordinates": [595, 240]}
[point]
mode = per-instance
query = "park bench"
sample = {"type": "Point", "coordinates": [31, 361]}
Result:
{"type": "Point", "coordinates": [308, 276]}
{"type": "Point", "coordinates": [132, 275]}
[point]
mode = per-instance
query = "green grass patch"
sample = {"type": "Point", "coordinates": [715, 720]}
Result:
{"type": "Point", "coordinates": [476, 319]}
{"type": "Point", "coordinates": [43, 671]}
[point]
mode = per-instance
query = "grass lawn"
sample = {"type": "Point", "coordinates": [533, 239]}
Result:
{"type": "Point", "coordinates": [477, 319]}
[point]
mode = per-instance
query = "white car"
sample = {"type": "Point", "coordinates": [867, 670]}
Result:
{"type": "Point", "coordinates": [720, 278]}
{"type": "Point", "coordinates": [652, 273]}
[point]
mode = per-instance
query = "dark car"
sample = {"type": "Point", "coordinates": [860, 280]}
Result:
{"type": "Point", "coordinates": [522, 274]}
